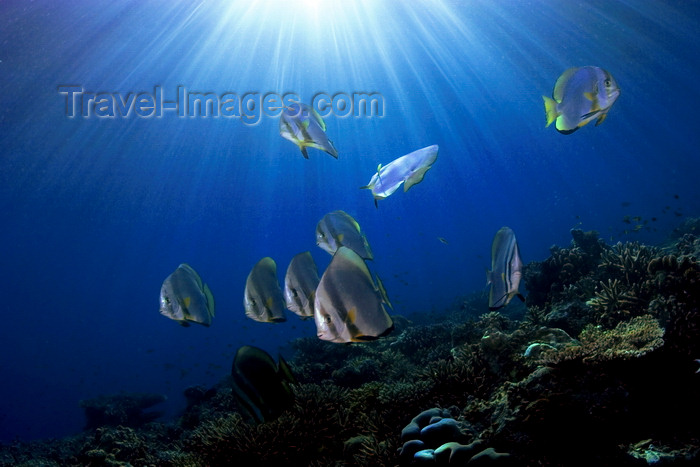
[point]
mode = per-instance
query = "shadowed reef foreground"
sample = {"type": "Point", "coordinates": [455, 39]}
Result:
{"type": "Point", "coordinates": [597, 369]}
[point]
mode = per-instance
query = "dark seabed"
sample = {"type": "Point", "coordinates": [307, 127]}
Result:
{"type": "Point", "coordinates": [595, 367]}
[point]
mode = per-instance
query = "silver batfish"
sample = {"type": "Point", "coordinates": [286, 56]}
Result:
{"type": "Point", "coordinates": [506, 269]}
{"type": "Point", "coordinates": [338, 228]}
{"type": "Point", "coordinates": [349, 306]}
{"type": "Point", "coordinates": [185, 299]}
{"type": "Point", "coordinates": [580, 95]}
{"type": "Point", "coordinates": [300, 284]}
{"type": "Point", "coordinates": [263, 300]}
{"type": "Point", "coordinates": [303, 126]}
{"type": "Point", "coordinates": [409, 170]}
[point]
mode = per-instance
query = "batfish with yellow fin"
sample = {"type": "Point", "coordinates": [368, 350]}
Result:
{"type": "Point", "coordinates": [349, 306]}
{"type": "Point", "coordinates": [303, 126]}
{"type": "Point", "coordinates": [185, 298]}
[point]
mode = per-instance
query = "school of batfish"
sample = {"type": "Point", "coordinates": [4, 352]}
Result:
{"type": "Point", "coordinates": [346, 302]}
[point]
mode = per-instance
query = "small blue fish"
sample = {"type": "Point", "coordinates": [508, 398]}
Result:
{"type": "Point", "coordinates": [581, 95]}
{"type": "Point", "coordinates": [506, 269]}
{"type": "Point", "coordinates": [409, 170]}
{"type": "Point", "coordinates": [304, 127]}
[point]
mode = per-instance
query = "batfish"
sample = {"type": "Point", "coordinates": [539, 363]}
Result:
{"type": "Point", "coordinates": [339, 228]}
{"type": "Point", "coordinates": [580, 95]}
{"type": "Point", "coordinates": [506, 269]}
{"type": "Point", "coordinates": [409, 170]}
{"type": "Point", "coordinates": [300, 284]}
{"type": "Point", "coordinates": [184, 298]}
{"type": "Point", "coordinates": [303, 126]}
{"type": "Point", "coordinates": [348, 306]}
{"type": "Point", "coordinates": [263, 298]}
{"type": "Point", "coordinates": [261, 387]}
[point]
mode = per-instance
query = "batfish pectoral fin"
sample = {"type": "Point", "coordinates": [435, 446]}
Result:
{"type": "Point", "coordinates": [588, 115]}
{"type": "Point", "coordinates": [601, 119]}
{"type": "Point", "coordinates": [303, 151]}
{"type": "Point", "coordinates": [382, 291]}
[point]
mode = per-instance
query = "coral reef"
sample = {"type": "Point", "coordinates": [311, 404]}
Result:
{"type": "Point", "coordinates": [599, 370]}
{"type": "Point", "coordinates": [120, 409]}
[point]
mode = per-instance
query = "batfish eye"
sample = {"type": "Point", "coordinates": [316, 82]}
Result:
{"type": "Point", "coordinates": [327, 319]}
{"type": "Point", "coordinates": [294, 291]}
{"type": "Point", "coordinates": [608, 83]}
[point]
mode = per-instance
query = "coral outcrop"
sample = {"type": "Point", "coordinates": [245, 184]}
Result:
{"type": "Point", "coordinates": [599, 370]}
{"type": "Point", "coordinates": [433, 437]}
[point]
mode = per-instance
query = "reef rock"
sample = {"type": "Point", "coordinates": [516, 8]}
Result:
{"type": "Point", "coordinates": [120, 409]}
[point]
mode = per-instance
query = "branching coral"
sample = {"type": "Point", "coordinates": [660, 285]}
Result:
{"type": "Point", "coordinates": [493, 321]}
{"type": "Point", "coordinates": [319, 416]}
{"type": "Point", "coordinates": [612, 301]}
{"type": "Point", "coordinates": [535, 316]}
{"type": "Point", "coordinates": [688, 244]}
{"type": "Point", "coordinates": [422, 344]}
{"type": "Point", "coordinates": [628, 262]}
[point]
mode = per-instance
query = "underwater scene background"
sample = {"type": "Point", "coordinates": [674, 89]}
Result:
{"type": "Point", "coordinates": [98, 211]}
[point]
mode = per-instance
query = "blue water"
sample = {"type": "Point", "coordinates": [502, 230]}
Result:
{"type": "Point", "coordinates": [97, 212]}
